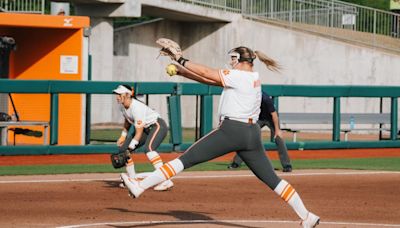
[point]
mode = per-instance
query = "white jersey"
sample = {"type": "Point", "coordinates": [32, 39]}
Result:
{"type": "Point", "coordinates": [241, 97]}
{"type": "Point", "coordinates": [139, 114]}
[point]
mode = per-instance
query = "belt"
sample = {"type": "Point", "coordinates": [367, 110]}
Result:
{"type": "Point", "coordinates": [247, 120]}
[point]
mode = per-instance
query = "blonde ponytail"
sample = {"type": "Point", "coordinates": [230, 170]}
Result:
{"type": "Point", "coordinates": [271, 64]}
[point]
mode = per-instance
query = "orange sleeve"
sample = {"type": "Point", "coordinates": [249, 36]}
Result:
{"type": "Point", "coordinates": [221, 76]}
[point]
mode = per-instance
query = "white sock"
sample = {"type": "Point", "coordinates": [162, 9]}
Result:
{"type": "Point", "coordinates": [155, 159]}
{"type": "Point", "coordinates": [289, 194]}
{"type": "Point", "coordinates": [163, 173]}
{"type": "Point", "coordinates": [130, 168]}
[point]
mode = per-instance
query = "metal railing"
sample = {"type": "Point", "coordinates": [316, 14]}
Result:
{"type": "Point", "coordinates": [22, 6]}
{"type": "Point", "coordinates": [327, 17]}
{"type": "Point", "coordinates": [175, 91]}
{"type": "Point", "coordinates": [234, 6]}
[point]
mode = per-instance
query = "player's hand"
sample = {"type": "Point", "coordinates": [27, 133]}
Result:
{"type": "Point", "coordinates": [278, 133]}
{"type": "Point", "coordinates": [121, 140]}
{"type": "Point", "coordinates": [133, 144]}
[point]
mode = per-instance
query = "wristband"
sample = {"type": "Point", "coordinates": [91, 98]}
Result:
{"type": "Point", "coordinates": [182, 61]}
{"type": "Point", "coordinates": [124, 133]}
{"type": "Point", "coordinates": [133, 144]}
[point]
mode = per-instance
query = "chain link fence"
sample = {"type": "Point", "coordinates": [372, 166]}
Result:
{"type": "Point", "coordinates": [326, 17]}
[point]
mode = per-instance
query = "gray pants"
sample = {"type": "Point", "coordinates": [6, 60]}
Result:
{"type": "Point", "coordinates": [151, 137]}
{"type": "Point", "coordinates": [230, 136]}
{"type": "Point", "coordinates": [280, 143]}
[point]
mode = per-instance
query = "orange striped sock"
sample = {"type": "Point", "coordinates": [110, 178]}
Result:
{"type": "Point", "coordinates": [130, 168]}
{"type": "Point", "coordinates": [163, 173]}
{"type": "Point", "coordinates": [155, 159]}
{"type": "Point", "coordinates": [289, 195]}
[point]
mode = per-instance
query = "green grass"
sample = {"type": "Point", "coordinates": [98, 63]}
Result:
{"type": "Point", "coordinates": [388, 164]}
{"type": "Point", "coordinates": [377, 4]}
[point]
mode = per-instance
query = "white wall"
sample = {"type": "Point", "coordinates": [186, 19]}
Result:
{"type": "Point", "coordinates": [101, 49]}
{"type": "Point", "coordinates": [305, 58]}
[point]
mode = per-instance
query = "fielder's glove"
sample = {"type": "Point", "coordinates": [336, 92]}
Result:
{"type": "Point", "coordinates": [172, 49]}
{"type": "Point", "coordinates": [119, 160]}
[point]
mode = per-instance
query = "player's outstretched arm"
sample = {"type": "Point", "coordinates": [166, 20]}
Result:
{"type": "Point", "coordinates": [183, 71]}
{"type": "Point", "coordinates": [204, 72]}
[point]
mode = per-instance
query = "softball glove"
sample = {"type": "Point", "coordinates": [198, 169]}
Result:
{"type": "Point", "coordinates": [170, 48]}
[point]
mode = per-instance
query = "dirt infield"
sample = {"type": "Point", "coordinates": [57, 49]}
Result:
{"type": "Point", "coordinates": [200, 199]}
{"type": "Point", "coordinates": [343, 198]}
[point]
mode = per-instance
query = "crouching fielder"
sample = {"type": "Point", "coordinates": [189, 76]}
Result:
{"type": "Point", "coordinates": [239, 109]}
{"type": "Point", "coordinates": [150, 130]}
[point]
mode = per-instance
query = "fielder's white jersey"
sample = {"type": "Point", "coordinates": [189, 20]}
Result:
{"type": "Point", "coordinates": [241, 97]}
{"type": "Point", "coordinates": [139, 114]}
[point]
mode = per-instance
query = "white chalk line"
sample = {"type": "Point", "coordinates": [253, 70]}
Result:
{"type": "Point", "coordinates": [200, 177]}
{"type": "Point", "coordinates": [221, 221]}
{"type": "Point", "coordinates": [214, 221]}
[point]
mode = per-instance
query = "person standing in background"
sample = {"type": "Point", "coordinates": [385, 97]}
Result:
{"type": "Point", "coordinates": [269, 117]}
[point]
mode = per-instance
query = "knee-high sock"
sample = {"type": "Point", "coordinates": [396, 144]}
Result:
{"type": "Point", "coordinates": [130, 168]}
{"type": "Point", "coordinates": [155, 159]}
{"type": "Point", "coordinates": [289, 194]}
{"type": "Point", "coordinates": [163, 173]}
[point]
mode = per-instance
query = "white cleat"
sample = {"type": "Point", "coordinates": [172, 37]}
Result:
{"type": "Point", "coordinates": [164, 186]}
{"type": "Point", "coordinates": [311, 221]}
{"type": "Point", "coordinates": [133, 186]}
{"type": "Point", "coordinates": [121, 184]}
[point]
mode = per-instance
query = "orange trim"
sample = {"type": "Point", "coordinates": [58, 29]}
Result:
{"type": "Point", "coordinates": [154, 136]}
{"type": "Point", "coordinates": [171, 169]}
{"type": "Point", "coordinates": [288, 192]}
{"type": "Point", "coordinates": [156, 160]}
{"type": "Point", "coordinates": [130, 161]}
{"type": "Point", "coordinates": [284, 190]}
{"type": "Point", "coordinates": [290, 195]}
{"type": "Point", "coordinates": [43, 21]}
{"type": "Point", "coordinates": [168, 170]}
{"type": "Point", "coordinates": [222, 78]}
{"type": "Point", "coordinates": [164, 172]}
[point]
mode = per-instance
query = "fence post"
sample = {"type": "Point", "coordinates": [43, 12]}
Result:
{"type": "Point", "coordinates": [291, 13]}
{"type": "Point", "coordinates": [88, 104]}
{"type": "Point", "coordinates": [393, 118]}
{"type": "Point", "coordinates": [332, 12]}
{"type": "Point", "coordinates": [54, 119]}
{"type": "Point", "coordinates": [271, 8]}
{"type": "Point", "coordinates": [276, 105]}
{"type": "Point", "coordinates": [374, 27]}
{"type": "Point", "coordinates": [243, 6]}
{"type": "Point", "coordinates": [336, 119]}
{"type": "Point", "coordinates": [206, 117]}
{"type": "Point", "coordinates": [175, 123]}
{"type": "Point", "coordinates": [43, 6]}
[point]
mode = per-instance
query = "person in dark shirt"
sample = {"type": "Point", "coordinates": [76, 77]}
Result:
{"type": "Point", "coordinates": [269, 117]}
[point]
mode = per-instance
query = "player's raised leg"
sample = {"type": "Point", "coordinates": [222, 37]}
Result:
{"type": "Point", "coordinates": [199, 152]}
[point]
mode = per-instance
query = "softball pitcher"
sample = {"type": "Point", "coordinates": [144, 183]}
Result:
{"type": "Point", "coordinates": [239, 108]}
{"type": "Point", "coordinates": [150, 130]}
